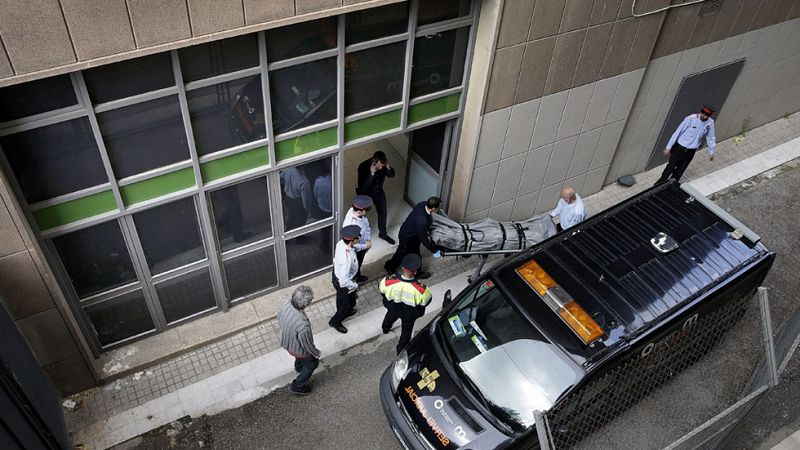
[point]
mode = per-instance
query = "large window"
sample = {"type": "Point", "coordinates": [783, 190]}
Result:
{"type": "Point", "coordinates": [173, 184]}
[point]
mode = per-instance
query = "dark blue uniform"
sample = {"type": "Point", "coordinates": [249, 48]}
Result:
{"type": "Point", "coordinates": [413, 233]}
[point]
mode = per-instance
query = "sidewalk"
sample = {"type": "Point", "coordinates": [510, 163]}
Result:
{"type": "Point", "coordinates": [247, 365]}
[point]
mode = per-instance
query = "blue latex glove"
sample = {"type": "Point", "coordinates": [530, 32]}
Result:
{"type": "Point", "coordinates": [437, 254]}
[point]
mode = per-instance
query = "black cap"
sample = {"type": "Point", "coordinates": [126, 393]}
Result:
{"type": "Point", "coordinates": [351, 232]}
{"type": "Point", "coordinates": [411, 262]}
{"type": "Point", "coordinates": [362, 201]}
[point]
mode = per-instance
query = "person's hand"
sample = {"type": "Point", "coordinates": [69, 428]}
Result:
{"type": "Point", "coordinates": [350, 291]}
{"type": "Point", "coordinates": [666, 152]}
{"type": "Point", "coordinates": [710, 157]}
{"type": "Point", "coordinates": [437, 254]}
{"type": "Point", "coordinates": [369, 244]}
{"type": "Point", "coordinates": [372, 169]}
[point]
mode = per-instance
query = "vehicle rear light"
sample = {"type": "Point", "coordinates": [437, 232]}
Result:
{"type": "Point", "coordinates": [560, 302]}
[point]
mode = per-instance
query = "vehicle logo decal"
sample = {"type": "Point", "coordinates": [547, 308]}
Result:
{"type": "Point", "coordinates": [428, 379]}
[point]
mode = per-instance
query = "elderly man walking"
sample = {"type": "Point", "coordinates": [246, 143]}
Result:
{"type": "Point", "coordinates": [297, 338]}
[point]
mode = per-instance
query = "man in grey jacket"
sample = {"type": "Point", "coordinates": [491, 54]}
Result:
{"type": "Point", "coordinates": [298, 339]}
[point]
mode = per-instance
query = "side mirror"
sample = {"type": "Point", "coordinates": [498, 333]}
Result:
{"type": "Point", "coordinates": [448, 298]}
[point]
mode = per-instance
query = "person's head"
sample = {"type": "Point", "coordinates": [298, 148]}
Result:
{"type": "Point", "coordinates": [301, 297]}
{"type": "Point", "coordinates": [706, 112]}
{"type": "Point", "coordinates": [361, 205]}
{"type": "Point", "coordinates": [410, 265]}
{"type": "Point", "coordinates": [568, 194]}
{"type": "Point", "coordinates": [433, 204]}
{"type": "Point", "coordinates": [379, 159]}
{"type": "Point", "coordinates": [350, 234]}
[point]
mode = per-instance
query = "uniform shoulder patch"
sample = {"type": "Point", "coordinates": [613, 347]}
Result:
{"type": "Point", "coordinates": [391, 280]}
{"type": "Point", "coordinates": [420, 286]}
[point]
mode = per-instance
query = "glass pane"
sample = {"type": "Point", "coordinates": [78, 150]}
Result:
{"type": "Point", "coordinates": [55, 160]}
{"type": "Point", "coordinates": [374, 23]}
{"type": "Point", "coordinates": [127, 78]}
{"type": "Point", "coordinates": [241, 213]}
{"type": "Point", "coordinates": [374, 77]}
{"type": "Point", "coordinates": [439, 61]}
{"type": "Point", "coordinates": [305, 201]}
{"type": "Point", "coordinates": [144, 136]}
{"type": "Point", "coordinates": [310, 252]}
{"type": "Point", "coordinates": [186, 295]}
{"type": "Point", "coordinates": [301, 39]}
{"type": "Point", "coordinates": [303, 95]}
{"type": "Point", "coordinates": [430, 12]}
{"type": "Point", "coordinates": [251, 273]}
{"type": "Point", "coordinates": [215, 58]}
{"type": "Point", "coordinates": [227, 114]}
{"type": "Point", "coordinates": [34, 97]}
{"type": "Point", "coordinates": [170, 235]}
{"type": "Point", "coordinates": [119, 318]}
{"type": "Point", "coordinates": [96, 258]}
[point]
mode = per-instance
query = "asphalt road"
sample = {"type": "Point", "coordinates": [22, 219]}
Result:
{"type": "Point", "coordinates": [344, 410]}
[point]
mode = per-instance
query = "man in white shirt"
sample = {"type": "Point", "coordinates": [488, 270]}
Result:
{"type": "Point", "coordinates": [357, 215]}
{"type": "Point", "coordinates": [345, 266]}
{"type": "Point", "coordinates": [685, 141]}
{"type": "Point", "coordinates": [569, 208]}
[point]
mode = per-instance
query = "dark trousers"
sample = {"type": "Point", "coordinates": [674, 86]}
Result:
{"type": "Point", "coordinates": [403, 249]}
{"type": "Point", "coordinates": [360, 257]}
{"type": "Point", "coordinates": [379, 200]}
{"type": "Point", "coordinates": [407, 315]}
{"type": "Point", "coordinates": [679, 159]}
{"type": "Point", "coordinates": [296, 214]}
{"type": "Point", "coordinates": [345, 301]}
{"type": "Point", "coordinates": [304, 368]}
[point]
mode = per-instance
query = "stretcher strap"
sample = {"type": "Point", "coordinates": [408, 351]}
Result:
{"type": "Point", "coordinates": [520, 234]}
{"type": "Point", "coordinates": [503, 231]}
{"type": "Point", "coordinates": [466, 239]}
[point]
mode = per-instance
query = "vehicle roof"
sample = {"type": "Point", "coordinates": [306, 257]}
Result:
{"type": "Point", "coordinates": [609, 266]}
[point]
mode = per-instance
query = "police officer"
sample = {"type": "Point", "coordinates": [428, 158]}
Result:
{"type": "Point", "coordinates": [357, 215]}
{"type": "Point", "coordinates": [685, 141]}
{"type": "Point", "coordinates": [345, 266]}
{"type": "Point", "coordinates": [413, 233]}
{"type": "Point", "coordinates": [405, 298]}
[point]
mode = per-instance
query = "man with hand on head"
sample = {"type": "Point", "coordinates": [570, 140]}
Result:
{"type": "Point", "coordinates": [413, 233]}
{"type": "Point", "coordinates": [405, 298]}
{"type": "Point", "coordinates": [685, 141]}
{"type": "Point", "coordinates": [371, 175]}
{"type": "Point", "coordinates": [345, 267]}
{"type": "Point", "coordinates": [357, 215]}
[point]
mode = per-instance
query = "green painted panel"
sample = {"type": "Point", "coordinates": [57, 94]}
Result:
{"type": "Point", "coordinates": [371, 125]}
{"type": "Point", "coordinates": [433, 108]}
{"type": "Point", "coordinates": [74, 210]}
{"type": "Point", "coordinates": [229, 165]}
{"type": "Point", "coordinates": [157, 186]}
{"type": "Point", "coordinates": [306, 143]}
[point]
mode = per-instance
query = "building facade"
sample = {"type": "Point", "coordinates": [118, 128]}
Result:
{"type": "Point", "coordinates": [167, 160]}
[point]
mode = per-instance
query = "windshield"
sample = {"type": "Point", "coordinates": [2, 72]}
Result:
{"type": "Point", "coordinates": [512, 365]}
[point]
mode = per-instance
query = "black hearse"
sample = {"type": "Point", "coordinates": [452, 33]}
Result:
{"type": "Point", "coordinates": [534, 329]}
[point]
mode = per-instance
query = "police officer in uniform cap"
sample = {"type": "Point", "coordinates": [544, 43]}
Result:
{"type": "Point", "coordinates": [345, 267]}
{"type": "Point", "coordinates": [405, 298]}
{"type": "Point", "coordinates": [357, 215]}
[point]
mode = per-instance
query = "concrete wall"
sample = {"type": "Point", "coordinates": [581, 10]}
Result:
{"type": "Point", "coordinates": [41, 38]}
{"type": "Point", "coordinates": [30, 295]}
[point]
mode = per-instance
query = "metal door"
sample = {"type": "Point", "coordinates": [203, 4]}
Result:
{"type": "Point", "coordinates": [428, 162]}
{"type": "Point", "coordinates": [710, 87]}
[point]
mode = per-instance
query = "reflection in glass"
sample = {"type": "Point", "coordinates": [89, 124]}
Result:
{"type": "Point", "coordinates": [120, 318]}
{"type": "Point", "coordinates": [96, 258]}
{"type": "Point", "coordinates": [303, 95]}
{"type": "Point", "coordinates": [251, 273]}
{"type": "Point", "coordinates": [144, 136]}
{"type": "Point", "coordinates": [439, 61]}
{"type": "Point", "coordinates": [227, 114]}
{"type": "Point", "coordinates": [303, 200]}
{"type": "Point", "coordinates": [131, 77]}
{"type": "Point", "coordinates": [301, 39]}
{"type": "Point", "coordinates": [35, 97]}
{"type": "Point", "coordinates": [373, 23]}
{"type": "Point", "coordinates": [170, 235]}
{"type": "Point", "coordinates": [309, 252]}
{"type": "Point", "coordinates": [55, 159]}
{"type": "Point", "coordinates": [430, 12]}
{"type": "Point", "coordinates": [218, 57]}
{"type": "Point", "coordinates": [186, 295]}
{"type": "Point", "coordinates": [374, 77]}
{"type": "Point", "coordinates": [241, 213]}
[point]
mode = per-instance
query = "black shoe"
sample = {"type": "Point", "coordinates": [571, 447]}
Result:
{"type": "Point", "coordinates": [305, 390]}
{"type": "Point", "coordinates": [361, 278]}
{"type": "Point", "coordinates": [386, 238]}
{"type": "Point", "coordinates": [351, 313]}
{"type": "Point", "coordinates": [338, 327]}
{"type": "Point", "coordinates": [386, 331]}
{"type": "Point", "coordinates": [422, 274]}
